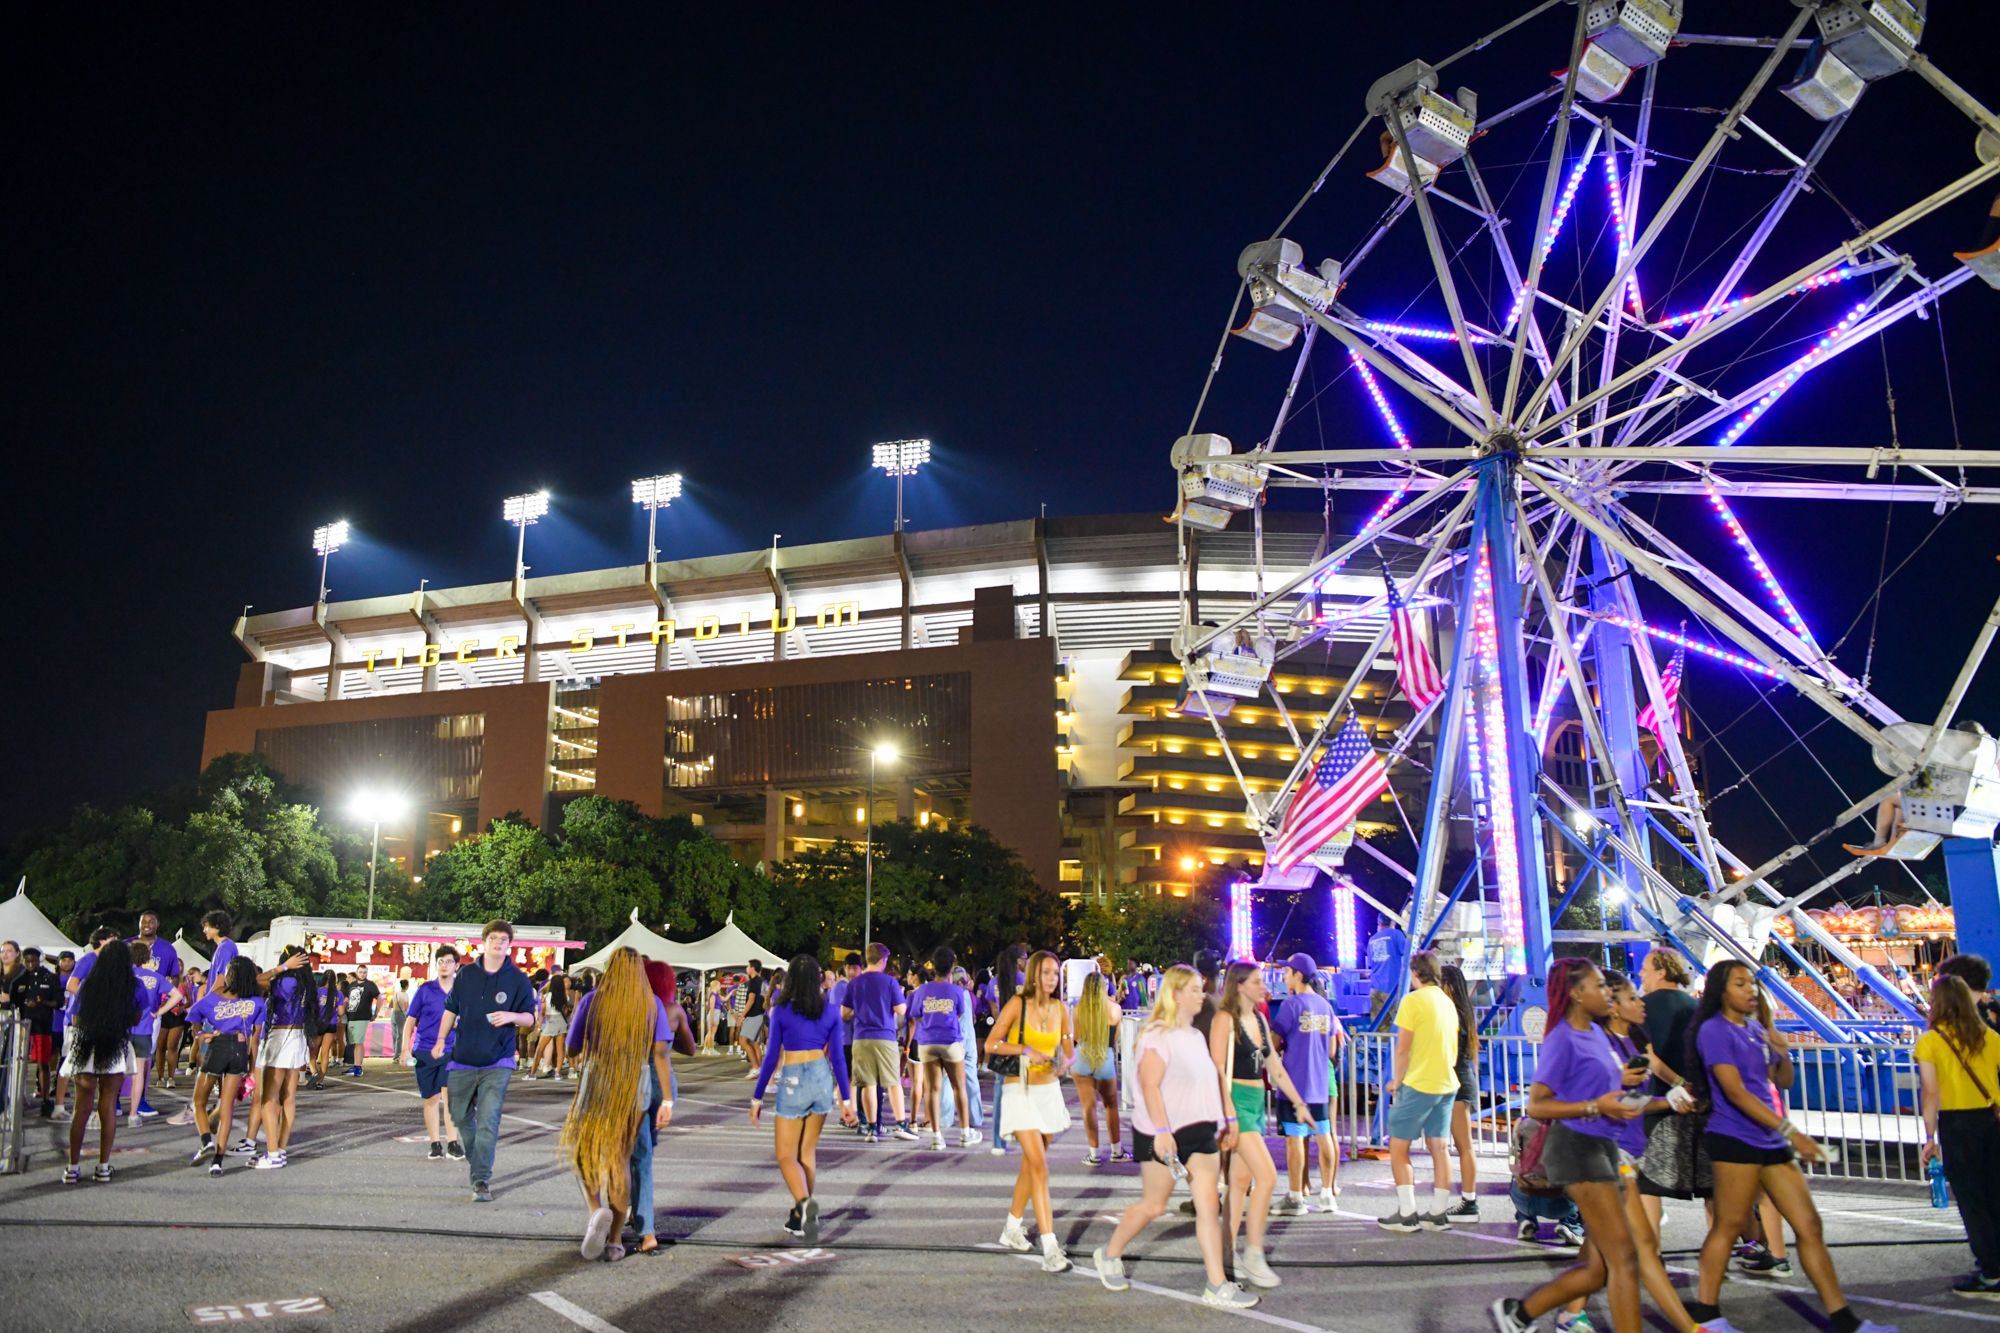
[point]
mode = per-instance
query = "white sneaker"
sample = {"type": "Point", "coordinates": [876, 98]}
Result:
{"type": "Point", "coordinates": [1292, 1205]}
{"type": "Point", "coordinates": [1015, 1236]}
{"type": "Point", "coordinates": [968, 1137]}
{"type": "Point", "coordinates": [1326, 1203]}
{"type": "Point", "coordinates": [937, 1143]}
{"type": "Point", "coordinates": [1053, 1259]}
{"type": "Point", "coordinates": [135, 1122]}
{"type": "Point", "coordinates": [1110, 1271]}
{"type": "Point", "coordinates": [998, 1149]}
{"type": "Point", "coordinates": [61, 1113]}
{"type": "Point", "coordinates": [1228, 1296]}
{"type": "Point", "coordinates": [185, 1117]}
{"type": "Point", "coordinates": [1090, 1157]}
{"type": "Point", "coordinates": [1254, 1266]}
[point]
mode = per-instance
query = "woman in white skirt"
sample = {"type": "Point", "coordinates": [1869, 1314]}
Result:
{"type": "Point", "coordinates": [293, 1018]}
{"type": "Point", "coordinates": [1034, 1027]}
{"type": "Point", "coordinates": [97, 1049]}
{"type": "Point", "coordinates": [553, 1052]}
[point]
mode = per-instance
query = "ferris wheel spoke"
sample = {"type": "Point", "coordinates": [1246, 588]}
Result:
{"type": "Point", "coordinates": [1537, 345]}
{"type": "Point", "coordinates": [1391, 345]}
{"type": "Point", "coordinates": [1441, 265]}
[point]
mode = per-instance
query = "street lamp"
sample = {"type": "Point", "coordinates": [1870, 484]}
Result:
{"type": "Point", "coordinates": [521, 510]}
{"type": "Point", "coordinates": [900, 459]}
{"type": "Point", "coordinates": [868, 841]}
{"type": "Point", "coordinates": [374, 807]}
{"type": "Point", "coordinates": [655, 494]}
{"type": "Point", "coordinates": [328, 538]}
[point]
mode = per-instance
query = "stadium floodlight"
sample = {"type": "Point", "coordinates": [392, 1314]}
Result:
{"type": "Point", "coordinates": [374, 807]}
{"type": "Point", "coordinates": [900, 459]}
{"type": "Point", "coordinates": [654, 494]}
{"type": "Point", "coordinates": [521, 510]}
{"type": "Point", "coordinates": [328, 538]}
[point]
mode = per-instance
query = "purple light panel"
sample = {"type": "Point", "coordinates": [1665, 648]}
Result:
{"type": "Point", "coordinates": [1487, 755]}
{"type": "Point", "coordinates": [1240, 948]}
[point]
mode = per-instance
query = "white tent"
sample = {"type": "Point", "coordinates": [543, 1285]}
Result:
{"type": "Point", "coordinates": [726, 948]}
{"type": "Point", "coordinates": [190, 956]}
{"type": "Point", "coordinates": [22, 922]}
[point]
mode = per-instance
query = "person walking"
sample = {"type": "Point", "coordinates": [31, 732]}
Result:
{"type": "Point", "coordinates": [1179, 1126]}
{"type": "Point", "coordinates": [1311, 1034]}
{"type": "Point", "coordinates": [1664, 977]}
{"type": "Point", "coordinates": [1239, 1041]}
{"type": "Point", "coordinates": [939, 1011]}
{"type": "Point", "coordinates": [1734, 1065]}
{"type": "Point", "coordinates": [552, 1051]}
{"type": "Point", "coordinates": [329, 1003]}
{"type": "Point", "coordinates": [233, 1011]}
{"type": "Point", "coordinates": [1002, 986]}
{"type": "Point", "coordinates": [1423, 1083]}
{"type": "Point", "coordinates": [750, 1031]}
{"type": "Point", "coordinates": [1034, 1027]}
{"type": "Point", "coordinates": [98, 1050]}
{"type": "Point", "coordinates": [1579, 1088]}
{"type": "Point", "coordinates": [803, 1041]}
{"type": "Point", "coordinates": [875, 1002]}
{"type": "Point", "coordinates": [293, 1020]}
{"type": "Point", "coordinates": [621, 1030]}
{"type": "Point", "coordinates": [490, 1001]}
{"type": "Point", "coordinates": [1958, 1065]}
{"type": "Point", "coordinates": [1096, 1068]}
{"type": "Point", "coordinates": [420, 1032]}
{"type": "Point", "coordinates": [1466, 1099]}
{"type": "Point", "coordinates": [361, 996]}
{"type": "Point", "coordinates": [972, 1115]}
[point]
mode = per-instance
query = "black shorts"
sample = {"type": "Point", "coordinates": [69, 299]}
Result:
{"type": "Point", "coordinates": [168, 1022]}
{"type": "Point", "coordinates": [1468, 1080]}
{"type": "Point", "coordinates": [431, 1074]}
{"type": "Point", "coordinates": [1189, 1141]}
{"type": "Point", "coordinates": [227, 1054]}
{"type": "Point", "coordinates": [1725, 1148]}
{"type": "Point", "coordinates": [1572, 1157]}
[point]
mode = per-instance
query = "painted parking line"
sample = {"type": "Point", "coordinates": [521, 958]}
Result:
{"type": "Point", "coordinates": [575, 1313]}
{"type": "Point", "coordinates": [1275, 1321]}
{"type": "Point", "coordinates": [1891, 1217]}
{"type": "Point", "coordinates": [1878, 1300]}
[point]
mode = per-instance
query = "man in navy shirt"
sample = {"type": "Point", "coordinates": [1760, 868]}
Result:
{"type": "Point", "coordinates": [488, 1003]}
{"type": "Point", "coordinates": [420, 1029]}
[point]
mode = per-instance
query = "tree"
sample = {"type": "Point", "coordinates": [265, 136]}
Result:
{"type": "Point", "coordinates": [1156, 929]}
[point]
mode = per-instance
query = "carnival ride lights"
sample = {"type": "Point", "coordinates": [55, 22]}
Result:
{"type": "Point", "coordinates": [1241, 947]}
{"type": "Point", "coordinates": [1548, 495]}
{"type": "Point", "coordinates": [1346, 925]}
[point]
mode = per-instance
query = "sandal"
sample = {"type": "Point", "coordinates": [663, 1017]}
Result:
{"type": "Point", "coordinates": [613, 1253]}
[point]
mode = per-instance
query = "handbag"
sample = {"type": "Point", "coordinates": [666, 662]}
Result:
{"type": "Point", "coordinates": [1676, 1158]}
{"type": "Point", "coordinates": [1530, 1138]}
{"type": "Point", "coordinates": [1007, 1066]}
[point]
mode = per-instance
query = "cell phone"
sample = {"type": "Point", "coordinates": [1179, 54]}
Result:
{"type": "Point", "coordinates": [1638, 1062]}
{"type": "Point", "coordinates": [1636, 1098]}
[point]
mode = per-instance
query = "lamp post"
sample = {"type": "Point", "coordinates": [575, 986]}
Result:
{"type": "Point", "coordinates": [654, 494]}
{"type": "Point", "coordinates": [868, 842]}
{"type": "Point", "coordinates": [900, 459]}
{"type": "Point", "coordinates": [327, 539]}
{"type": "Point", "coordinates": [521, 510]}
{"type": "Point", "coordinates": [375, 806]}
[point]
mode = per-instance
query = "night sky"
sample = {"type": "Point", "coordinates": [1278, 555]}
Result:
{"type": "Point", "coordinates": [269, 266]}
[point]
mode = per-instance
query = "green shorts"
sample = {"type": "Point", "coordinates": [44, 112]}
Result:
{"type": "Point", "coordinates": [1249, 1106]}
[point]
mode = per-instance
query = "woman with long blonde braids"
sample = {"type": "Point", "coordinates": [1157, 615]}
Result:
{"type": "Point", "coordinates": [1096, 1067]}
{"type": "Point", "coordinates": [615, 1030]}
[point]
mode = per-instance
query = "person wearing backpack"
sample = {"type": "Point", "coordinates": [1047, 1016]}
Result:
{"type": "Point", "coordinates": [1958, 1064]}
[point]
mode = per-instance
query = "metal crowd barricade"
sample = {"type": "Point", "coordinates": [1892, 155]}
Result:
{"type": "Point", "coordinates": [1858, 1097]}
{"type": "Point", "coordinates": [13, 1083]}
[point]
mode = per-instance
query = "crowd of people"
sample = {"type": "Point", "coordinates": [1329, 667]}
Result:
{"type": "Point", "coordinates": [1641, 1091]}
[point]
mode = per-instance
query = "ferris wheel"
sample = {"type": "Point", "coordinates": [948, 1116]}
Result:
{"type": "Point", "coordinates": [1571, 369]}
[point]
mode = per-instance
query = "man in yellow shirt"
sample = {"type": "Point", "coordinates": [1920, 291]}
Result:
{"type": "Point", "coordinates": [1423, 1082]}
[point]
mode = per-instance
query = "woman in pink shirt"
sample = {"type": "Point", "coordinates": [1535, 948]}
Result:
{"type": "Point", "coordinates": [1175, 1130]}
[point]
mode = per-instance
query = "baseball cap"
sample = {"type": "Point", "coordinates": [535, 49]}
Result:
{"type": "Point", "coordinates": [1303, 964]}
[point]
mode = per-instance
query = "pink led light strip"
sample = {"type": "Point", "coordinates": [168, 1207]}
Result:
{"type": "Point", "coordinates": [1826, 279]}
{"type": "Point", "coordinates": [1488, 756]}
{"type": "Point", "coordinates": [1555, 229]}
{"type": "Point", "coordinates": [1624, 232]}
{"type": "Point", "coordinates": [1682, 641]}
{"type": "Point", "coordinates": [1553, 690]}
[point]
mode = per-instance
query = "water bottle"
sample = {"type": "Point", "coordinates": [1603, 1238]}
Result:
{"type": "Point", "coordinates": [1940, 1196]}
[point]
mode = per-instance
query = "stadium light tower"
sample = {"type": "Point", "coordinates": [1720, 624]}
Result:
{"type": "Point", "coordinates": [900, 459]}
{"type": "Point", "coordinates": [521, 510]}
{"type": "Point", "coordinates": [327, 539]}
{"type": "Point", "coordinates": [655, 494]}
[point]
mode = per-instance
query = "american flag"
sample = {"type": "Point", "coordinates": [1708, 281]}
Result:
{"type": "Point", "coordinates": [1348, 776]}
{"type": "Point", "coordinates": [1670, 689]}
{"type": "Point", "coordinates": [1415, 671]}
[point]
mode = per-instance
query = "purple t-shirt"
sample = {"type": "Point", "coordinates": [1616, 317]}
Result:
{"type": "Point", "coordinates": [1580, 1066]}
{"type": "Point", "coordinates": [166, 958]}
{"type": "Point", "coordinates": [1306, 1021]}
{"type": "Point", "coordinates": [84, 963]}
{"type": "Point", "coordinates": [873, 996]}
{"type": "Point", "coordinates": [794, 1032]}
{"type": "Point", "coordinates": [427, 1007]}
{"type": "Point", "coordinates": [227, 1015]}
{"type": "Point", "coordinates": [289, 990]}
{"type": "Point", "coordinates": [663, 1029]}
{"type": "Point", "coordinates": [1631, 1134]}
{"type": "Point", "coordinates": [151, 986]}
{"type": "Point", "coordinates": [836, 998]}
{"type": "Point", "coordinates": [1740, 1044]}
{"type": "Point", "coordinates": [218, 966]}
{"type": "Point", "coordinates": [935, 1008]}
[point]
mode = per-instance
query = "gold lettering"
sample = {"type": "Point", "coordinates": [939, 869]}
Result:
{"type": "Point", "coordinates": [370, 656]}
{"type": "Point", "coordinates": [429, 657]}
{"type": "Point", "coordinates": [664, 629]}
{"type": "Point", "coordinates": [509, 646]}
{"type": "Point", "coordinates": [708, 627]}
{"type": "Point", "coordinates": [399, 659]}
{"type": "Point", "coordinates": [468, 650]}
{"type": "Point", "coordinates": [583, 640]}
{"type": "Point", "coordinates": [623, 630]}
{"type": "Point", "coordinates": [743, 627]}
{"type": "Point", "coordinates": [853, 610]}
{"type": "Point", "coordinates": [791, 621]}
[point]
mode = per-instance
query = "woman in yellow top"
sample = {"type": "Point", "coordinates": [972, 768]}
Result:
{"type": "Point", "coordinates": [1958, 1060]}
{"type": "Point", "coordinates": [1034, 1025]}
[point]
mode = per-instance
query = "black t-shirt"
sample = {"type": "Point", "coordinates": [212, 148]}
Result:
{"type": "Point", "coordinates": [1667, 1013]}
{"type": "Point", "coordinates": [756, 986]}
{"type": "Point", "coordinates": [40, 995]}
{"type": "Point", "coordinates": [361, 997]}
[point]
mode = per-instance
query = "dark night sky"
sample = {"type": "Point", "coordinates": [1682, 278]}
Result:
{"type": "Point", "coordinates": [266, 266]}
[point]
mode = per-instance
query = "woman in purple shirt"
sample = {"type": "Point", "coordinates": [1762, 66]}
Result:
{"type": "Point", "coordinates": [804, 1037]}
{"type": "Point", "coordinates": [1734, 1063]}
{"type": "Point", "coordinates": [1580, 1086]}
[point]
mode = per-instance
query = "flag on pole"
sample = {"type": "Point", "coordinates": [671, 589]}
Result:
{"type": "Point", "coordinates": [1670, 690]}
{"type": "Point", "coordinates": [1348, 776]}
{"type": "Point", "coordinates": [1416, 672]}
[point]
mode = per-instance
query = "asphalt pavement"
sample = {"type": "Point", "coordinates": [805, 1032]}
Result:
{"type": "Point", "coordinates": [361, 1232]}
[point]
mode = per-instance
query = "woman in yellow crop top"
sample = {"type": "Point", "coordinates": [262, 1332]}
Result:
{"type": "Point", "coordinates": [1034, 1025]}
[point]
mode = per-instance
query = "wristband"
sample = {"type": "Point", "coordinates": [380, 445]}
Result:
{"type": "Point", "coordinates": [1592, 1111]}
{"type": "Point", "coordinates": [1787, 1128]}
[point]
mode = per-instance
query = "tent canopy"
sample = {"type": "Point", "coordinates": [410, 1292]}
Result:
{"type": "Point", "coordinates": [190, 956]}
{"type": "Point", "coordinates": [728, 947]}
{"type": "Point", "coordinates": [22, 922]}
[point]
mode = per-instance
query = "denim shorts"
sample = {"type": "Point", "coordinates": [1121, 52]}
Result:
{"type": "Point", "coordinates": [1105, 1070]}
{"type": "Point", "coordinates": [1572, 1157]}
{"type": "Point", "coordinates": [806, 1089]}
{"type": "Point", "coordinates": [1420, 1115]}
